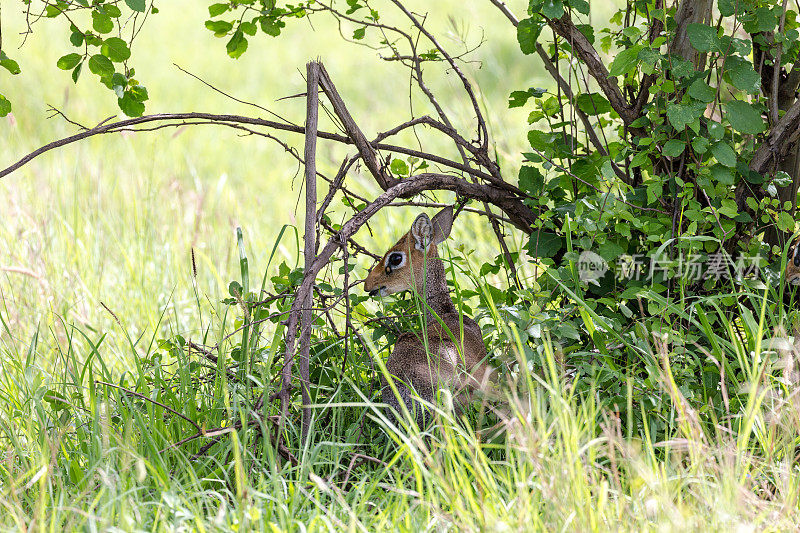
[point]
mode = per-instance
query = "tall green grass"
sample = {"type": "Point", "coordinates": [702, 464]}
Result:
{"type": "Point", "coordinates": [82, 452]}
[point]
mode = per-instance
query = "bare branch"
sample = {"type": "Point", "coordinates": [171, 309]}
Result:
{"type": "Point", "coordinates": [688, 12]}
{"type": "Point", "coordinates": [482, 133]}
{"type": "Point", "coordinates": [776, 71]}
{"type": "Point", "coordinates": [779, 140]}
{"type": "Point", "coordinates": [354, 132]}
{"type": "Point", "coordinates": [565, 86]}
{"type": "Point", "coordinates": [312, 111]}
{"type": "Point", "coordinates": [507, 12]}
{"type": "Point", "coordinates": [229, 121]}
{"type": "Point", "coordinates": [586, 52]}
{"type": "Point", "coordinates": [223, 93]}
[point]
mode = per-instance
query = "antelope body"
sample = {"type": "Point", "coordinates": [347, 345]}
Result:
{"type": "Point", "coordinates": [455, 351]}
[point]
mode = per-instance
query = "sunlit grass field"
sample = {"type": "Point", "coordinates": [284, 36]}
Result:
{"type": "Point", "coordinates": [96, 243]}
{"type": "Point", "coordinates": [113, 219]}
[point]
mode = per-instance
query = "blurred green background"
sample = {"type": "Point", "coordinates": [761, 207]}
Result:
{"type": "Point", "coordinates": [114, 218]}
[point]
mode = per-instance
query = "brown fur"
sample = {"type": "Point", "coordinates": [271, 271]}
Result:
{"type": "Point", "coordinates": [792, 267]}
{"type": "Point", "coordinates": [456, 353]}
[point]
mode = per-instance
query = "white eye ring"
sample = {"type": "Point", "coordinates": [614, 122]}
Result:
{"type": "Point", "coordinates": [387, 262]}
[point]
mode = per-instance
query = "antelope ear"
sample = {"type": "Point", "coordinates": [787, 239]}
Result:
{"type": "Point", "coordinates": [422, 232]}
{"type": "Point", "coordinates": [442, 224]}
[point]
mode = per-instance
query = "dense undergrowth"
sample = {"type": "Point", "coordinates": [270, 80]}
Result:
{"type": "Point", "coordinates": [685, 419]}
{"type": "Point", "coordinates": [139, 394]}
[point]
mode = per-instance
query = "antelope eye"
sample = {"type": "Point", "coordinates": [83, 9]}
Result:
{"type": "Point", "coordinates": [796, 260]}
{"type": "Point", "coordinates": [395, 259]}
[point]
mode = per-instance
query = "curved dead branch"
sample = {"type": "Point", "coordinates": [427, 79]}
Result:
{"type": "Point", "coordinates": [183, 119]}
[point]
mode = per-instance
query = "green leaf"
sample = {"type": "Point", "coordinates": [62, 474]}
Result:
{"type": "Point", "coordinates": [727, 7]}
{"type": "Point", "coordinates": [531, 180]}
{"type": "Point", "coordinates": [69, 61]}
{"type": "Point", "coordinates": [399, 167]}
{"type": "Point", "coordinates": [112, 11]}
{"type": "Point", "coordinates": [782, 179]}
{"type": "Point", "coordinates": [359, 33]}
{"type": "Point", "coordinates": [101, 22]}
{"type": "Point", "coordinates": [535, 116]}
{"type": "Point", "coordinates": [700, 90]}
{"type": "Point", "coordinates": [649, 58]}
{"type": "Point", "coordinates": [722, 174]}
{"type": "Point", "coordinates": [137, 5]}
{"type": "Point", "coordinates": [115, 49]}
{"type": "Point", "coordinates": [5, 106]}
{"type": "Point", "coordinates": [593, 103]}
{"type": "Point", "coordinates": [567, 330]}
{"type": "Point", "coordinates": [92, 39]}
{"type": "Point", "coordinates": [56, 400]}
{"type": "Point", "coordinates": [632, 32]}
{"type": "Point", "coordinates": [743, 47]}
{"type": "Point", "coordinates": [53, 10]}
{"type": "Point", "coordinates": [674, 148]}
{"type": "Point", "coordinates": [740, 73]}
{"type": "Point", "coordinates": [625, 61]}
{"type": "Point", "coordinates": [271, 25]}
{"type": "Point", "coordinates": [139, 92]}
{"type": "Point", "coordinates": [528, 31]}
{"type": "Point", "coordinates": [249, 28]}
{"type": "Point", "coordinates": [219, 27]}
{"type": "Point", "coordinates": [101, 65]}
{"type": "Point", "coordinates": [237, 45]}
{"type": "Point", "coordinates": [9, 64]}
{"type": "Point", "coordinates": [541, 140]}
{"type": "Point", "coordinates": [118, 84]}
{"type": "Point", "coordinates": [610, 250]}
{"type": "Point", "coordinates": [217, 9]}
{"type": "Point", "coordinates": [723, 153]}
{"type": "Point", "coordinates": [700, 145]}
{"type": "Point", "coordinates": [130, 105]}
{"type": "Point", "coordinates": [680, 67]}
{"type": "Point", "coordinates": [77, 72]}
{"type": "Point", "coordinates": [551, 106]}
{"type": "Point", "coordinates": [744, 117]}
{"type": "Point", "coordinates": [728, 208]}
{"type": "Point", "coordinates": [762, 19]}
{"type": "Point", "coordinates": [553, 9]}
{"type": "Point", "coordinates": [703, 38]}
{"type": "Point", "coordinates": [76, 38]}
{"type": "Point", "coordinates": [581, 6]}
{"type": "Point", "coordinates": [518, 98]}
{"type": "Point", "coordinates": [681, 115]}
{"type": "Point", "coordinates": [785, 221]}
{"type": "Point", "coordinates": [544, 244]}
{"type": "Point", "coordinates": [716, 130]}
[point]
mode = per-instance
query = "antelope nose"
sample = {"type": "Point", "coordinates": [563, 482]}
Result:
{"type": "Point", "coordinates": [375, 292]}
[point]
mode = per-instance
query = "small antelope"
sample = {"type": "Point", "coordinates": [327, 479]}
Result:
{"type": "Point", "coordinates": [456, 353]}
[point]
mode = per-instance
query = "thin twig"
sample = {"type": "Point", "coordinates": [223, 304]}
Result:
{"type": "Point", "coordinates": [143, 397]}
{"type": "Point", "coordinates": [223, 93]}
